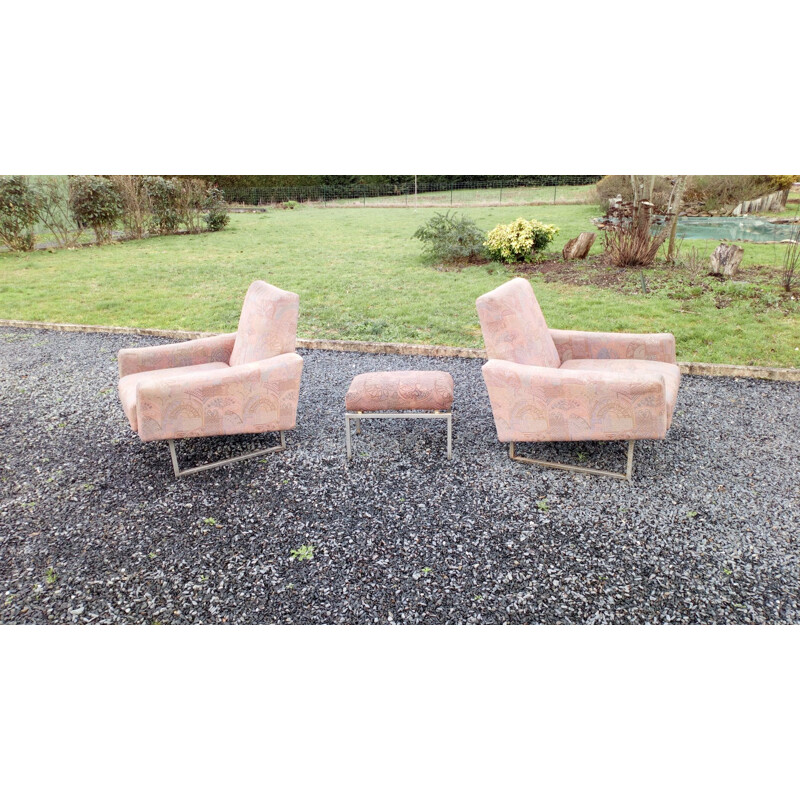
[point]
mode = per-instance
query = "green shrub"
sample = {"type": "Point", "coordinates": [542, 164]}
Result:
{"type": "Point", "coordinates": [163, 195]}
{"type": "Point", "coordinates": [95, 203]}
{"type": "Point", "coordinates": [216, 217]}
{"type": "Point", "coordinates": [519, 240]}
{"type": "Point", "coordinates": [449, 237]}
{"type": "Point", "coordinates": [19, 209]}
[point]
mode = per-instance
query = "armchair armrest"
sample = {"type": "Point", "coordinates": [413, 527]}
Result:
{"type": "Point", "coordinates": [539, 404]}
{"type": "Point", "coordinates": [250, 398]}
{"type": "Point", "coordinates": [180, 354]}
{"type": "Point", "coordinates": [594, 344]}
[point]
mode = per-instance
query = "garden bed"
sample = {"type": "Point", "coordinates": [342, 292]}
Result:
{"type": "Point", "coordinates": [95, 529]}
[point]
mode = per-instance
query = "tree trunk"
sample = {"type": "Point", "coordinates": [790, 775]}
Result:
{"type": "Point", "coordinates": [578, 247]}
{"type": "Point", "coordinates": [675, 209]}
{"type": "Point", "coordinates": [725, 260]}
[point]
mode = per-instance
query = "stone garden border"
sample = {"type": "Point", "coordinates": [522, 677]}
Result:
{"type": "Point", "coordinates": [392, 348]}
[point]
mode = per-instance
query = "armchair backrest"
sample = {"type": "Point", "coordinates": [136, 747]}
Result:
{"type": "Point", "coordinates": [513, 326]}
{"type": "Point", "coordinates": [267, 325]}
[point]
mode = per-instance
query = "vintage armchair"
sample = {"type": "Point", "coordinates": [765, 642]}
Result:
{"type": "Point", "coordinates": [243, 382]}
{"type": "Point", "coordinates": [553, 385]}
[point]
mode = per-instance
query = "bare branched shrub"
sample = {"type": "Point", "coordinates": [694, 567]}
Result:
{"type": "Point", "coordinates": [136, 210]}
{"type": "Point", "coordinates": [612, 186]}
{"type": "Point", "coordinates": [722, 193]}
{"type": "Point", "coordinates": [695, 263]}
{"type": "Point", "coordinates": [190, 202]}
{"type": "Point", "coordinates": [54, 210]}
{"type": "Point", "coordinates": [790, 272]}
{"type": "Point", "coordinates": [629, 241]}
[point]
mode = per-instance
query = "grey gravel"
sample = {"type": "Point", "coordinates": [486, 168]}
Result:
{"type": "Point", "coordinates": [94, 528]}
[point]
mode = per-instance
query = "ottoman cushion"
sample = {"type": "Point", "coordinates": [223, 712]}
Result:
{"type": "Point", "coordinates": [400, 391]}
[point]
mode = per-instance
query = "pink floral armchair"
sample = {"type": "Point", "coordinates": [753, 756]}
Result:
{"type": "Point", "coordinates": [553, 385]}
{"type": "Point", "coordinates": [243, 382]}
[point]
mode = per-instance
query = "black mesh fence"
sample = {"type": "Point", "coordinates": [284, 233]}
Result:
{"type": "Point", "coordinates": [538, 190]}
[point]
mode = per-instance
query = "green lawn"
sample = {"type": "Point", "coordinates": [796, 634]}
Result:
{"type": "Point", "coordinates": [360, 275]}
{"type": "Point", "coordinates": [509, 196]}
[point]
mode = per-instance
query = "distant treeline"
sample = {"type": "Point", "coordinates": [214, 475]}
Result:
{"type": "Point", "coordinates": [263, 181]}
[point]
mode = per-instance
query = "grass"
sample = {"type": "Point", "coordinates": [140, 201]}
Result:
{"type": "Point", "coordinates": [360, 275]}
{"type": "Point", "coordinates": [515, 195]}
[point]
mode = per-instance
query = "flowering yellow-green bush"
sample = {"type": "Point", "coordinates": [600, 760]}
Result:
{"type": "Point", "coordinates": [519, 240]}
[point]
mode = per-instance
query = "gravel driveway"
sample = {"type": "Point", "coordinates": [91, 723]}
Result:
{"type": "Point", "coordinates": [95, 528]}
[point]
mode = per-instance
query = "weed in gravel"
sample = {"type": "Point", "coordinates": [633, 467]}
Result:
{"type": "Point", "coordinates": [50, 576]}
{"type": "Point", "coordinates": [303, 553]}
{"type": "Point", "coordinates": [151, 555]}
{"type": "Point", "coordinates": [209, 521]}
{"type": "Point", "coordinates": [542, 505]}
{"type": "Point", "coordinates": [691, 514]}
{"type": "Point", "coordinates": [426, 570]}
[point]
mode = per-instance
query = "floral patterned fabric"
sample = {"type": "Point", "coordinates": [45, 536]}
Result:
{"type": "Point", "coordinates": [540, 404]}
{"type": "Point", "coordinates": [597, 386]}
{"type": "Point", "coordinates": [623, 367]}
{"type": "Point", "coordinates": [593, 344]}
{"type": "Point", "coordinates": [401, 391]}
{"type": "Point", "coordinates": [267, 325]}
{"type": "Point", "coordinates": [129, 385]}
{"type": "Point", "coordinates": [243, 382]}
{"type": "Point", "coordinates": [250, 398]}
{"type": "Point", "coordinates": [211, 349]}
{"type": "Point", "coordinates": [513, 326]}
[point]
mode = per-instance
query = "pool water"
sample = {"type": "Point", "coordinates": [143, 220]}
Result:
{"type": "Point", "coordinates": [753, 229]}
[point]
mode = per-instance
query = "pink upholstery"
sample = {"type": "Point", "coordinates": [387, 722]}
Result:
{"type": "Point", "coordinates": [593, 344]}
{"type": "Point", "coordinates": [634, 367]}
{"type": "Point", "coordinates": [401, 391]}
{"type": "Point", "coordinates": [129, 385]}
{"type": "Point", "coordinates": [251, 398]}
{"type": "Point", "coordinates": [267, 325]}
{"type": "Point", "coordinates": [244, 382]}
{"type": "Point", "coordinates": [181, 354]}
{"type": "Point", "coordinates": [602, 385]}
{"type": "Point", "coordinates": [513, 326]}
{"type": "Point", "coordinates": [539, 404]}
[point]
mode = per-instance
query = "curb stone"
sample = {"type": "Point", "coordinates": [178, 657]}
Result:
{"type": "Point", "coordinates": [396, 348]}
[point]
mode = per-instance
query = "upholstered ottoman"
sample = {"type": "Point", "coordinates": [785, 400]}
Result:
{"type": "Point", "coordinates": [374, 395]}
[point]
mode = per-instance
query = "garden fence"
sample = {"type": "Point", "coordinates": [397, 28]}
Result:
{"type": "Point", "coordinates": [544, 190]}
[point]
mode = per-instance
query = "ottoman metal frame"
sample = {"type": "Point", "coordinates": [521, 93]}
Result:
{"type": "Point", "coordinates": [359, 415]}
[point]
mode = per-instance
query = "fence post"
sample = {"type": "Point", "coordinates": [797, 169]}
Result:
{"type": "Point", "coordinates": [555, 188]}
{"type": "Point", "coordinates": [451, 195]}
{"type": "Point", "coordinates": [501, 195]}
{"type": "Point", "coordinates": [364, 192]}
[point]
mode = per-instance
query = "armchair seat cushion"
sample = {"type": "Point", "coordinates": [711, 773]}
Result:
{"type": "Point", "coordinates": [130, 383]}
{"type": "Point", "coordinates": [635, 366]}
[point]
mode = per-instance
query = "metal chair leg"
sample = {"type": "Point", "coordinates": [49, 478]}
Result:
{"type": "Point", "coordinates": [449, 436]}
{"type": "Point", "coordinates": [625, 476]}
{"type": "Point", "coordinates": [347, 437]}
{"type": "Point", "coordinates": [179, 473]}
